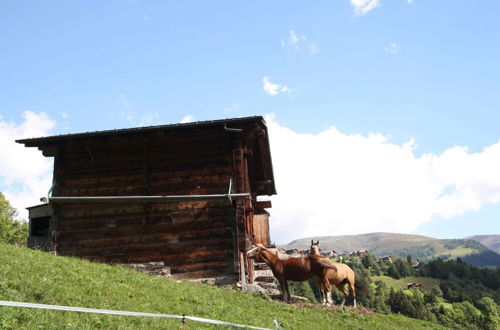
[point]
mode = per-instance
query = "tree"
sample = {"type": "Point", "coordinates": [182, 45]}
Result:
{"type": "Point", "coordinates": [392, 271]}
{"type": "Point", "coordinates": [470, 316]}
{"type": "Point", "coordinates": [369, 262]}
{"type": "Point", "coordinates": [431, 298]}
{"type": "Point", "coordinates": [490, 312]}
{"type": "Point", "coordinates": [401, 303]}
{"type": "Point", "coordinates": [379, 299]}
{"type": "Point", "coordinates": [12, 230]}
{"type": "Point", "coordinates": [403, 267]}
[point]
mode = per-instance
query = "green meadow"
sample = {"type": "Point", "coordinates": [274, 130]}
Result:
{"type": "Point", "coordinates": [38, 277]}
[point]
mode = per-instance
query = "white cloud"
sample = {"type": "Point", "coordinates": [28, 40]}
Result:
{"type": "Point", "coordinates": [187, 119]}
{"type": "Point", "coordinates": [129, 116]}
{"type": "Point", "coordinates": [124, 101]}
{"type": "Point", "coordinates": [363, 7]}
{"type": "Point", "coordinates": [393, 47]}
{"type": "Point", "coordinates": [274, 89]}
{"type": "Point", "coordinates": [147, 119]}
{"type": "Point", "coordinates": [313, 48]}
{"type": "Point", "coordinates": [296, 43]}
{"type": "Point", "coordinates": [293, 41]}
{"type": "Point", "coordinates": [334, 183]}
{"type": "Point", "coordinates": [64, 115]}
{"type": "Point", "coordinates": [410, 2]}
{"type": "Point", "coordinates": [25, 175]}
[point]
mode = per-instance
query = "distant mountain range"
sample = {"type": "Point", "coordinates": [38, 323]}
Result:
{"type": "Point", "coordinates": [471, 250]}
{"type": "Point", "coordinates": [492, 242]}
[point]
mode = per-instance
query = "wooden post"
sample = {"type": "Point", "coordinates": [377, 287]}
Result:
{"type": "Point", "coordinates": [251, 272]}
{"type": "Point", "coordinates": [243, 279]}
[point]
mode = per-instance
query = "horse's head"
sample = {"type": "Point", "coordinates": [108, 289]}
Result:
{"type": "Point", "coordinates": [315, 248]}
{"type": "Point", "coordinates": [255, 252]}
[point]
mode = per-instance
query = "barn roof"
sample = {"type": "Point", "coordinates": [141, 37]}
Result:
{"type": "Point", "coordinates": [47, 143]}
{"type": "Point", "coordinates": [37, 141]}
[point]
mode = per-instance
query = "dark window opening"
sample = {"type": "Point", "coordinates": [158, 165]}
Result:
{"type": "Point", "coordinates": [40, 226]}
{"type": "Point", "coordinates": [168, 220]}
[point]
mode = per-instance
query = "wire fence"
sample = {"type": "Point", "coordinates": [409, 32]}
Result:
{"type": "Point", "coordinates": [183, 318]}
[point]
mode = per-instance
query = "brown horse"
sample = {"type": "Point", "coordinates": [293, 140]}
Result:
{"type": "Point", "coordinates": [340, 276]}
{"type": "Point", "coordinates": [293, 269]}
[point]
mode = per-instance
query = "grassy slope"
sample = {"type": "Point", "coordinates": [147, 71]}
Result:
{"type": "Point", "coordinates": [37, 277]}
{"type": "Point", "coordinates": [427, 282]}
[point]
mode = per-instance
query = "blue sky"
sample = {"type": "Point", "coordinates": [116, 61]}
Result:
{"type": "Point", "coordinates": [421, 70]}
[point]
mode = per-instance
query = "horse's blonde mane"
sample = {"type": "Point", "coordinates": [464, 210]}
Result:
{"type": "Point", "coordinates": [279, 254]}
{"type": "Point", "coordinates": [276, 252]}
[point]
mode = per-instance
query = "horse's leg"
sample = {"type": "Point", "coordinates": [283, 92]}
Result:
{"type": "Point", "coordinates": [353, 291]}
{"type": "Point", "coordinates": [341, 287]}
{"type": "Point", "coordinates": [329, 298]}
{"type": "Point", "coordinates": [326, 296]}
{"type": "Point", "coordinates": [283, 288]}
{"type": "Point", "coordinates": [318, 283]}
{"type": "Point", "coordinates": [321, 289]}
{"type": "Point", "coordinates": [327, 291]}
{"type": "Point", "coordinates": [288, 292]}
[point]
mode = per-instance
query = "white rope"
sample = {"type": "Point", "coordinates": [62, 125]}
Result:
{"type": "Point", "coordinates": [115, 312]}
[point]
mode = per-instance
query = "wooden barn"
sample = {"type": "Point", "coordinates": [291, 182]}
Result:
{"type": "Point", "coordinates": [184, 194]}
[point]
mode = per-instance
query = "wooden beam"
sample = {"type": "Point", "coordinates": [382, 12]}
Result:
{"type": "Point", "coordinates": [263, 205]}
{"type": "Point", "coordinates": [148, 199]}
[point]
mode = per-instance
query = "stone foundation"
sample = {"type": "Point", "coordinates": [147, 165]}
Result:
{"type": "Point", "coordinates": [152, 268]}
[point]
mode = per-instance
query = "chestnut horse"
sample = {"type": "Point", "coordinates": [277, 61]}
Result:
{"type": "Point", "coordinates": [339, 276]}
{"type": "Point", "coordinates": [293, 269]}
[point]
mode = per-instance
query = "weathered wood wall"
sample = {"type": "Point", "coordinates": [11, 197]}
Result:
{"type": "Point", "coordinates": [193, 238]}
{"type": "Point", "coordinates": [261, 229]}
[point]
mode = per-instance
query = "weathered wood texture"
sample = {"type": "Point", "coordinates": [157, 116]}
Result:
{"type": "Point", "coordinates": [261, 229]}
{"type": "Point", "coordinates": [202, 238]}
{"type": "Point", "coordinates": [187, 239]}
{"type": "Point", "coordinates": [188, 236]}
{"type": "Point", "coordinates": [160, 165]}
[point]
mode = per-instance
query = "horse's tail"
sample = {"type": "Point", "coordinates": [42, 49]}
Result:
{"type": "Point", "coordinates": [361, 288]}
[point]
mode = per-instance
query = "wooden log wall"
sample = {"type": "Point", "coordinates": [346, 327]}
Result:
{"type": "Point", "coordinates": [194, 238]}
{"type": "Point", "coordinates": [244, 215]}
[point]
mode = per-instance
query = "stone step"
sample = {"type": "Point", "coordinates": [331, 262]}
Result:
{"type": "Point", "coordinates": [263, 272]}
{"type": "Point", "coordinates": [261, 265]}
{"type": "Point", "coordinates": [267, 279]}
{"type": "Point", "coordinates": [270, 288]}
{"type": "Point", "coordinates": [267, 285]}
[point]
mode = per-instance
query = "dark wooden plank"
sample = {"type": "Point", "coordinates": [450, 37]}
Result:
{"type": "Point", "coordinates": [133, 230]}
{"type": "Point", "coordinates": [164, 238]}
{"type": "Point", "coordinates": [164, 248]}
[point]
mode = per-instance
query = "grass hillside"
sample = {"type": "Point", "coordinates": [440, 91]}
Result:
{"type": "Point", "coordinates": [419, 247]}
{"type": "Point", "coordinates": [37, 277]}
{"type": "Point", "coordinates": [427, 282]}
{"type": "Point", "coordinates": [490, 241]}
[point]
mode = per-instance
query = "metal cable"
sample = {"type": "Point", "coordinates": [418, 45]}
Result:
{"type": "Point", "coordinates": [115, 312]}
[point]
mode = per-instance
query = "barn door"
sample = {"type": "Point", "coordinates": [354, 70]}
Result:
{"type": "Point", "coordinates": [261, 229]}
